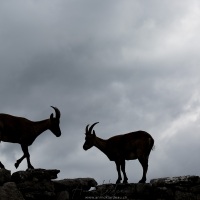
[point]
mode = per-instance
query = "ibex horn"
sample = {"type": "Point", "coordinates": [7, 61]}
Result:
{"type": "Point", "coordinates": [57, 112]}
{"type": "Point", "coordinates": [86, 129]}
{"type": "Point", "coordinates": [91, 127]}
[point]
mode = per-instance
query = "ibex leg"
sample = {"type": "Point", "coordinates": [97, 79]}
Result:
{"type": "Point", "coordinates": [123, 163]}
{"type": "Point", "coordinates": [19, 161]}
{"type": "Point", "coordinates": [26, 155]}
{"type": "Point", "coordinates": [118, 165]}
{"type": "Point", "coordinates": [144, 163]}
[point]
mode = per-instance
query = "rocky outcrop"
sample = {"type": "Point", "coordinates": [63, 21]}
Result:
{"type": "Point", "coordinates": [74, 188]}
{"type": "Point", "coordinates": [40, 184]}
{"type": "Point", "coordinates": [36, 184]}
{"type": "Point", "coordinates": [176, 188]}
{"type": "Point", "coordinates": [10, 191]}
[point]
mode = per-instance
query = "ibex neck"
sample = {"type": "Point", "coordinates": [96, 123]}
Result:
{"type": "Point", "coordinates": [41, 126]}
{"type": "Point", "coordinates": [101, 144]}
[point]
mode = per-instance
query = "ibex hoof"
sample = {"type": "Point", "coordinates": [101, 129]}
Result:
{"type": "Point", "coordinates": [142, 181]}
{"type": "Point", "coordinates": [118, 181]}
{"type": "Point", "coordinates": [31, 167]}
{"type": "Point", "coordinates": [125, 181]}
{"type": "Point", "coordinates": [16, 165]}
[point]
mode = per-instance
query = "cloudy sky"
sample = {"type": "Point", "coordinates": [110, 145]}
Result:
{"type": "Point", "coordinates": [131, 65]}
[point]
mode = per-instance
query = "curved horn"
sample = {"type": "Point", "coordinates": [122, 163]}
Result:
{"type": "Point", "coordinates": [91, 127]}
{"type": "Point", "coordinates": [57, 112]}
{"type": "Point", "coordinates": [86, 129]}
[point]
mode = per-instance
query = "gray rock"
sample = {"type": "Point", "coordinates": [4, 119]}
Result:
{"type": "Point", "coordinates": [37, 190]}
{"type": "Point", "coordinates": [36, 183]}
{"type": "Point", "coordinates": [181, 180]}
{"type": "Point", "coordinates": [195, 189]}
{"type": "Point", "coordinates": [34, 174]}
{"type": "Point", "coordinates": [117, 191]}
{"type": "Point", "coordinates": [163, 193]}
{"type": "Point", "coordinates": [144, 188]}
{"type": "Point", "coordinates": [64, 195]}
{"type": "Point", "coordinates": [9, 191]}
{"type": "Point", "coordinates": [184, 195]}
{"type": "Point", "coordinates": [78, 183]}
{"type": "Point", "coordinates": [5, 176]}
{"type": "Point", "coordinates": [36, 186]}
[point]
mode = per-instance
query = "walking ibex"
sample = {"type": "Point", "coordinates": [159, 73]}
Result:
{"type": "Point", "coordinates": [23, 131]}
{"type": "Point", "coordinates": [130, 146]}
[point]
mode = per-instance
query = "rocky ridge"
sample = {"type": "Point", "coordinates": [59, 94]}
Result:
{"type": "Point", "coordinates": [41, 184]}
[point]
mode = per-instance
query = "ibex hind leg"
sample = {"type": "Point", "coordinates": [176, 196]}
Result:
{"type": "Point", "coordinates": [27, 156]}
{"type": "Point", "coordinates": [123, 164]}
{"type": "Point", "coordinates": [144, 162]}
{"type": "Point", "coordinates": [19, 161]}
{"type": "Point", "coordinates": [118, 171]}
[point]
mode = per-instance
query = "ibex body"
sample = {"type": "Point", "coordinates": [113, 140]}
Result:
{"type": "Point", "coordinates": [130, 146]}
{"type": "Point", "coordinates": [23, 131]}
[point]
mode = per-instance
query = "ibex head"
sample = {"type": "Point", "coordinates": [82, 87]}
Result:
{"type": "Point", "coordinates": [90, 137]}
{"type": "Point", "coordinates": [55, 121]}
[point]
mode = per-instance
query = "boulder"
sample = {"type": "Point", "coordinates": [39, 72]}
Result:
{"type": "Point", "coordinates": [36, 183]}
{"type": "Point", "coordinates": [5, 176]}
{"type": "Point", "coordinates": [77, 183]}
{"type": "Point", "coordinates": [34, 174]}
{"type": "Point", "coordinates": [121, 191]}
{"type": "Point", "coordinates": [184, 195]}
{"type": "Point", "coordinates": [64, 195]}
{"type": "Point", "coordinates": [9, 191]}
{"type": "Point", "coordinates": [180, 180]}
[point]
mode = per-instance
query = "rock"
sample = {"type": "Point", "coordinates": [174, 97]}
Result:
{"type": "Point", "coordinates": [78, 183]}
{"type": "Point", "coordinates": [9, 191]}
{"type": "Point", "coordinates": [184, 195]}
{"type": "Point", "coordinates": [74, 187]}
{"type": "Point", "coordinates": [195, 189]}
{"type": "Point", "coordinates": [5, 176]}
{"type": "Point", "coordinates": [34, 174]}
{"type": "Point", "coordinates": [36, 183]}
{"type": "Point", "coordinates": [112, 191]}
{"type": "Point", "coordinates": [36, 186]}
{"type": "Point", "coordinates": [163, 193]}
{"type": "Point", "coordinates": [105, 190]}
{"type": "Point", "coordinates": [181, 180]}
{"type": "Point", "coordinates": [144, 189]}
{"type": "Point", "coordinates": [64, 195]}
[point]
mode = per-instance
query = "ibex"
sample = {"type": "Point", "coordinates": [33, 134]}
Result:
{"type": "Point", "coordinates": [129, 146]}
{"type": "Point", "coordinates": [23, 131]}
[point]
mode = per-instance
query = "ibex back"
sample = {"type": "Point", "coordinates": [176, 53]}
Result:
{"type": "Point", "coordinates": [130, 146]}
{"type": "Point", "coordinates": [23, 131]}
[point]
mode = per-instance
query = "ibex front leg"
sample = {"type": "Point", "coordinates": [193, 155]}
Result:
{"type": "Point", "coordinates": [26, 155]}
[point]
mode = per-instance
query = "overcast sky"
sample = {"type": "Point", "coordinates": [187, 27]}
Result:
{"type": "Point", "coordinates": [130, 65]}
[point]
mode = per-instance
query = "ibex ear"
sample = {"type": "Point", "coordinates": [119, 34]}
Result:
{"type": "Point", "coordinates": [94, 134]}
{"type": "Point", "coordinates": [51, 116]}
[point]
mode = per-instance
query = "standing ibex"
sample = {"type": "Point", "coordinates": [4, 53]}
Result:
{"type": "Point", "coordinates": [23, 131]}
{"type": "Point", "coordinates": [130, 146]}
